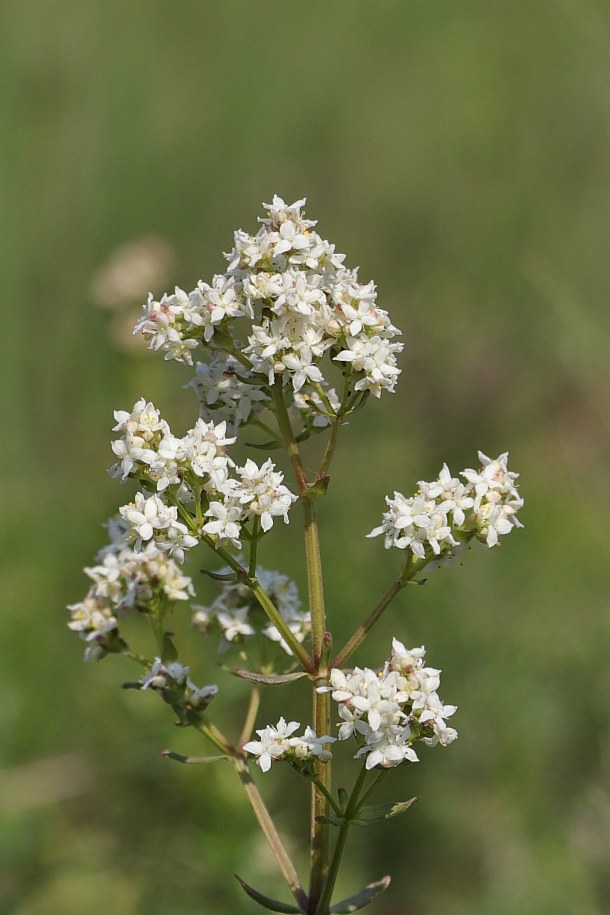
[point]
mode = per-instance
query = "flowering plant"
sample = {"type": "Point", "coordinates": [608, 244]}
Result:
{"type": "Point", "coordinates": [272, 330]}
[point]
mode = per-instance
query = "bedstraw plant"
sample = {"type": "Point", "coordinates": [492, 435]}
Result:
{"type": "Point", "coordinates": [292, 345]}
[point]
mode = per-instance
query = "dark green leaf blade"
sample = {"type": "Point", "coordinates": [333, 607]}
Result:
{"type": "Point", "coordinates": [220, 576]}
{"type": "Point", "coordinates": [266, 446]}
{"type": "Point", "coordinates": [272, 904]}
{"type": "Point", "coordinates": [190, 760]}
{"type": "Point", "coordinates": [361, 899]}
{"type": "Point", "coordinates": [331, 821]}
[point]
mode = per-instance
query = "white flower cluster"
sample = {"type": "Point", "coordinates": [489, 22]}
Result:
{"type": "Point", "coordinates": [147, 449]}
{"type": "Point", "coordinates": [149, 519]}
{"type": "Point", "coordinates": [96, 624]}
{"type": "Point", "coordinates": [123, 580]}
{"type": "Point", "coordinates": [227, 391]}
{"type": "Point", "coordinates": [171, 681]}
{"type": "Point", "coordinates": [301, 304]}
{"type": "Point", "coordinates": [198, 467]}
{"type": "Point", "coordinates": [446, 512]}
{"type": "Point", "coordinates": [278, 743]}
{"type": "Point", "coordinates": [388, 711]}
{"type": "Point", "coordinates": [238, 616]}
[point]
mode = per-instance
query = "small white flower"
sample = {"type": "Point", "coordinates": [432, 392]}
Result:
{"type": "Point", "coordinates": [162, 676]}
{"type": "Point", "coordinates": [380, 707]}
{"type": "Point", "coordinates": [262, 493]}
{"type": "Point", "coordinates": [150, 518]}
{"type": "Point", "coordinates": [273, 743]}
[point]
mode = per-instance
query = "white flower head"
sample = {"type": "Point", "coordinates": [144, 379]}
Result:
{"type": "Point", "coordinates": [388, 710]}
{"type": "Point", "coordinates": [262, 493]}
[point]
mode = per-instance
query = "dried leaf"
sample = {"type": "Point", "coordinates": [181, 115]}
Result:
{"type": "Point", "coordinates": [268, 679]}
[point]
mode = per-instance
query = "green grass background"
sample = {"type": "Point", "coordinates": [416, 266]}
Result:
{"type": "Point", "coordinates": [460, 153]}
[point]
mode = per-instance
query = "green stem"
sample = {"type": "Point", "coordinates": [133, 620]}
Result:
{"type": "Point", "coordinates": [139, 658]}
{"type": "Point", "coordinates": [280, 624]}
{"type": "Point", "coordinates": [256, 526]}
{"type": "Point", "coordinates": [324, 398]}
{"type": "Point", "coordinates": [334, 432]}
{"type": "Point", "coordinates": [412, 567]}
{"type": "Point", "coordinates": [156, 623]}
{"type": "Point", "coordinates": [323, 904]}
{"type": "Point", "coordinates": [216, 737]}
{"type": "Point", "coordinates": [237, 354]}
{"type": "Point", "coordinates": [186, 516]}
{"type": "Point", "coordinates": [380, 775]}
{"type": "Point", "coordinates": [288, 435]}
{"type": "Point", "coordinates": [266, 603]}
{"type": "Point", "coordinates": [321, 706]}
{"type": "Point", "coordinates": [250, 719]}
{"type": "Point", "coordinates": [319, 852]}
{"type": "Point", "coordinates": [269, 831]}
{"type": "Point", "coordinates": [327, 794]}
{"type": "Point", "coordinates": [315, 581]}
{"type": "Point", "coordinates": [260, 811]}
{"type": "Point", "coordinates": [330, 447]}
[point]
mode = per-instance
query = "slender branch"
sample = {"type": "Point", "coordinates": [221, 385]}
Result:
{"type": "Point", "coordinates": [250, 720]}
{"type": "Point", "coordinates": [330, 447]}
{"type": "Point", "coordinates": [326, 794]}
{"type": "Point", "coordinates": [319, 852]}
{"type": "Point", "coordinates": [324, 398]}
{"type": "Point", "coordinates": [266, 603]}
{"type": "Point", "coordinates": [320, 847]}
{"type": "Point", "coordinates": [156, 624]}
{"type": "Point", "coordinates": [315, 581]}
{"type": "Point", "coordinates": [269, 831]}
{"type": "Point", "coordinates": [288, 435]}
{"type": "Point", "coordinates": [134, 656]}
{"type": "Point", "coordinates": [334, 432]}
{"type": "Point", "coordinates": [260, 811]}
{"type": "Point", "coordinates": [323, 904]}
{"type": "Point", "coordinates": [280, 624]}
{"type": "Point", "coordinates": [256, 526]}
{"type": "Point", "coordinates": [216, 737]}
{"type": "Point", "coordinates": [380, 776]}
{"type": "Point", "coordinates": [237, 354]}
{"type": "Point", "coordinates": [412, 567]}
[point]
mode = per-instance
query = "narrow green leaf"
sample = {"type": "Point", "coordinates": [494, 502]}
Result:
{"type": "Point", "coordinates": [268, 679]}
{"type": "Point", "coordinates": [190, 760]}
{"type": "Point", "coordinates": [343, 797]}
{"type": "Point", "coordinates": [374, 813]}
{"type": "Point", "coordinates": [265, 446]}
{"type": "Point", "coordinates": [255, 378]}
{"type": "Point", "coordinates": [361, 899]}
{"type": "Point", "coordinates": [219, 576]}
{"type": "Point", "coordinates": [331, 821]}
{"type": "Point", "coordinates": [272, 904]}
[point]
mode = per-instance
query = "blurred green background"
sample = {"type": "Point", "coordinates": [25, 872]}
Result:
{"type": "Point", "coordinates": [460, 153]}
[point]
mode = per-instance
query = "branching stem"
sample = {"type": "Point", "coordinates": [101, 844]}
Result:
{"type": "Point", "coordinates": [260, 811]}
{"type": "Point", "coordinates": [323, 904]}
{"type": "Point", "coordinates": [412, 567]}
